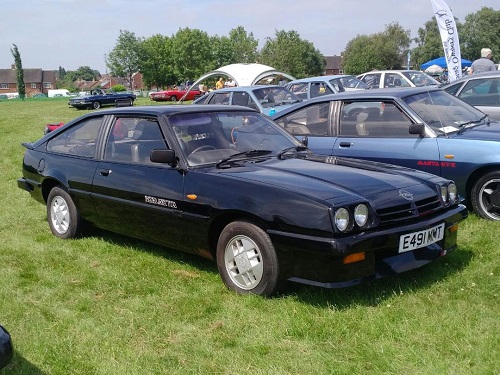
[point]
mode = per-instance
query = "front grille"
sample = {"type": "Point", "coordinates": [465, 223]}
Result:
{"type": "Point", "coordinates": [409, 210]}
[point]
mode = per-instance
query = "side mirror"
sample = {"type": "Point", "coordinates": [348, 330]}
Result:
{"type": "Point", "coordinates": [417, 129]}
{"type": "Point", "coordinates": [163, 156]}
{"type": "Point", "coordinates": [304, 140]}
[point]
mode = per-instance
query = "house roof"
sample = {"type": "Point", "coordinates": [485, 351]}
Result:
{"type": "Point", "coordinates": [333, 62]}
{"type": "Point", "coordinates": [30, 75]}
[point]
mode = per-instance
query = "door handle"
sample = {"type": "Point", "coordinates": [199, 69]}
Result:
{"type": "Point", "coordinates": [105, 172]}
{"type": "Point", "coordinates": [345, 144]}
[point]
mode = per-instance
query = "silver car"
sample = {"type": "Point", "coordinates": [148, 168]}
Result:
{"type": "Point", "coordinates": [481, 90]}
{"type": "Point", "coordinates": [268, 99]}
{"type": "Point", "coordinates": [312, 87]}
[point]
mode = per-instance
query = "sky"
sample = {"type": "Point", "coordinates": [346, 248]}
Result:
{"type": "Point", "coordinates": [75, 33]}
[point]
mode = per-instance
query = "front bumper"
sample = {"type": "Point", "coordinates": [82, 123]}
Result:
{"type": "Point", "coordinates": [320, 261]}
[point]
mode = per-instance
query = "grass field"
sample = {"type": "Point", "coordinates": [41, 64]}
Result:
{"type": "Point", "coordinates": [107, 304]}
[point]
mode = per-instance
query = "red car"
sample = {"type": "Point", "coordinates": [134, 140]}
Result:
{"type": "Point", "coordinates": [173, 95]}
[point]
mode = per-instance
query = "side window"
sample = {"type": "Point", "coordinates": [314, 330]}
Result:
{"type": "Point", "coordinates": [132, 140]}
{"type": "Point", "coordinates": [372, 80]}
{"type": "Point", "coordinates": [78, 140]}
{"type": "Point", "coordinates": [222, 98]}
{"type": "Point", "coordinates": [299, 89]}
{"type": "Point", "coordinates": [374, 119]}
{"type": "Point", "coordinates": [240, 98]}
{"type": "Point", "coordinates": [483, 92]}
{"type": "Point", "coordinates": [392, 80]}
{"type": "Point", "coordinates": [313, 120]}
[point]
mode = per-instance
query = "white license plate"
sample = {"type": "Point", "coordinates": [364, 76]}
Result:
{"type": "Point", "coordinates": [416, 240]}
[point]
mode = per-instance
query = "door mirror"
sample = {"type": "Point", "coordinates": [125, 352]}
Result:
{"type": "Point", "coordinates": [163, 156]}
{"type": "Point", "coordinates": [417, 129]}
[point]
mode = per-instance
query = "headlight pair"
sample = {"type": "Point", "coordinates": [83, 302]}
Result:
{"type": "Point", "coordinates": [449, 193]}
{"type": "Point", "coordinates": [345, 219]}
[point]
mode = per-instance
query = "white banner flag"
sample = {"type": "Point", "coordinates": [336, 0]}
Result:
{"type": "Point", "coordinates": [449, 37]}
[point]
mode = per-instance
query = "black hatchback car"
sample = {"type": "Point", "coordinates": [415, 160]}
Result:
{"type": "Point", "coordinates": [227, 183]}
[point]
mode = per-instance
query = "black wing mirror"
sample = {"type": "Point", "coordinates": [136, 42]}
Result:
{"type": "Point", "coordinates": [417, 129]}
{"type": "Point", "coordinates": [163, 156]}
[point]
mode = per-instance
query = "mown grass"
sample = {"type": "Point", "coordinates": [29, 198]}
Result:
{"type": "Point", "coordinates": [107, 304]}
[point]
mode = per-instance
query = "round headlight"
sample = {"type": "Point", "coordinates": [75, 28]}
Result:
{"type": "Point", "coordinates": [452, 192]}
{"type": "Point", "coordinates": [342, 219]}
{"type": "Point", "coordinates": [361, 214]}
{"type": "Point", "coordinates": [444, 194]}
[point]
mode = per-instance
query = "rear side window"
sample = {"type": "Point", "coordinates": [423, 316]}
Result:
{"type": "Point", "coordinates": [313, 120]}
{"type": "Point", "coordinates": [79, 140]}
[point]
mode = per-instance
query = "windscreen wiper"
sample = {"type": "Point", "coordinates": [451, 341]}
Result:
{"type": "Point", "coordinates": [242, 156]}
{"type": "Point", "coordinates": [293, 149]}
{"type": "Point", "coordinates": [464, 125]}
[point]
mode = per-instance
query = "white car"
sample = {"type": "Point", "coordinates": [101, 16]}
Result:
{"type": "Point", "coordinates": [397, 78]}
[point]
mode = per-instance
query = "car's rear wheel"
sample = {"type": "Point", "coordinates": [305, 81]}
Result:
{"type": "Point", "coordinates": [173, 98]}
{"type": "Point", "coordinates": [62, 214]}
{"type": "Point", "coordinates": [247, 260]}
{"type": "Point", "coordinates": [485, 196]}
{"type": "Point", "coordinates": [96, 105]}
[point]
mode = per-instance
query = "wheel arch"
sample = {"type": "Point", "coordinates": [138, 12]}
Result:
{"type": "Point", "coordinates": [48, 185]}
{"type": "Point", "coordinates": [220, 222]}
{"type": "Point", "coordinates": [476, 175]}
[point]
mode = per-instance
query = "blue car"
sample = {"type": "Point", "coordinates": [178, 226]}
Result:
{"type": "Point", "coordinates": [423, 128]}
{"type": "Point", "coordinates": [267, 99]}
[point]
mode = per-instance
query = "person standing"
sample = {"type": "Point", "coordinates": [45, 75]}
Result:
{"type": "Point", "coordinates": [219, 84]}
{"type": "Point", "coordinates": [484, 64]}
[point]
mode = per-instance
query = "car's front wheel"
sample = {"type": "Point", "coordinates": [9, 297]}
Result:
{"type": "Point", "coordinates": [247, 260]}
{"type": "Point", "coordinates": [62, 214]}
{"type": "Point", "coordinates": [96, 105]}
{"type": "Point", "coordinates": [485, 196]}
{"type": "Point", "coordinates": [173, 98]}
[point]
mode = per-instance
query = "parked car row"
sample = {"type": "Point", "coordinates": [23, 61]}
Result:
{"type": "Point", "coordinates": [227, 183]}
{"type": "Point", "coordinates": [369, 182]}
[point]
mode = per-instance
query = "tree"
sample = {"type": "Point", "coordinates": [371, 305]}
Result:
{"type": "Point", "coordinates": [385, 50]}
{"type": "Point", "coordinates": [429, 45]}
{"type": "Point", "coordinates": [362, 55]}
{"type": "Point", "coordinates": [243, 45]}
{"type": "Point", "coordinates": [124, 60]}
{"type": "Point", "coordinates": [289, 53]}
{"type": "Point", "coordinates": [157, 63]}
{"type": "Point", "coordinates": [480, 30]}
{"type": "Point", "coordinates": [222, 51]}
{"type": "Point", "coordinates": [21, 88]}
{"type": "Point", "coordinates": [191, 53]}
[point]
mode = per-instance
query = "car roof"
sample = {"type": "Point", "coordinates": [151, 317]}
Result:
{"type": "Point", "coordinates": [494, 73]}
{"type": "Point", "coordinates": [155, 110]}
{"type": "Point", "coordinates": [319, 78]}
{"type": "Point", "coordinates": [392, 71]}
{"type": "Point", "coordinates": [371, 94]}
{"type": "Point", "coordinates": [246, 88]}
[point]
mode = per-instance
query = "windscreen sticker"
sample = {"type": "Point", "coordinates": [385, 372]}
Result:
{"type": "Point", "coordinates": [160, 201]}
{"type": "Point", "coordinates": [448, 129]}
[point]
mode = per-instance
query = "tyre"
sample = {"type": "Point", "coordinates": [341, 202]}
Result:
{"type": "Point", "coordinates": [485, 196]}
{"type": "Point", "coordinates": [62, 214]}
{"type": "Point", "coordinates": [96, 105]}
{"type": "Point", "coordinates": [173, 98]}
{"type": "Point", "coordinates": [246, 259]}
